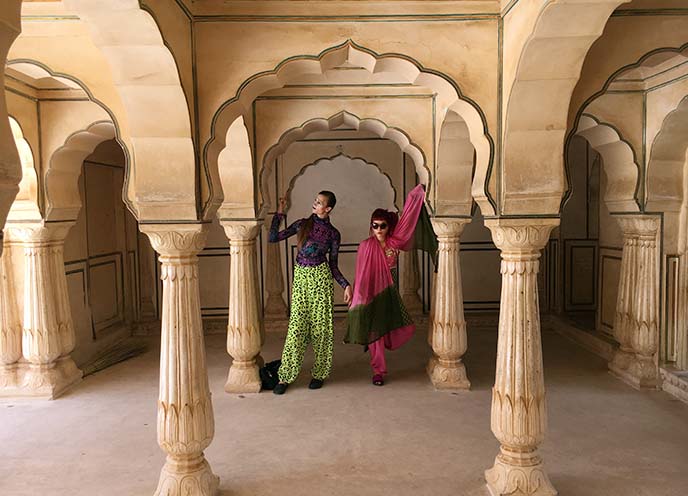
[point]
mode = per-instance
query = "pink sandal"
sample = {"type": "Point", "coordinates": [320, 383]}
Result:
{"type": "Point", "coordinates": [378, 380]}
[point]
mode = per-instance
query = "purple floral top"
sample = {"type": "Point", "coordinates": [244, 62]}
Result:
{"type": "Point", "coordinates": [324, 237]}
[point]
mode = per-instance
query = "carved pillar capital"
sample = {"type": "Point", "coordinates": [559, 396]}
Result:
{"type": "Point", "coordinates": [447, 228]}
{"type": "Point", "coordinates": [519, 237]}
{"type": "Point", "coordinates": [38, 233]}
{"type": "Point", "coordinates": [176, 240]}
{"type": "Point", "coordinates": [645, 226]}
{"type": "Point", "coordinates": [241, 230]}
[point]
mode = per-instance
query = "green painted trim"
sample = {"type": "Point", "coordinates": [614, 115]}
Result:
{"type": "Point", "coordinates": [435, 146]}
{"type": "Point", "coordinates": [657, 74]}
{"type": "Point", "coordinates": [509, 6]}
{"type": "Point", "coordinates": [353, 85]}
{"type": "Point", "coordinates": [380, 18]}
{"type": "Point", "coordinates": [340, 97]}
{"type": "Point", "coordinates": [524, 216]}
{"type": "Point", "coordinates": [497, 205]}
{"type": "Point", "coordinates": [667, 83]}
{"type": "Point", "coordinates": [350, 42]}
{"type": "Point", "coordinates": [650, 12]}
{"type": "Point", "coordinates": [643, 170]}
{"type": "Point", "coordinates": [49, 18]}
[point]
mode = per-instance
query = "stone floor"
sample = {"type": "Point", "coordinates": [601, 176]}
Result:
{"type": "Point", "coordinates": [605, 439]}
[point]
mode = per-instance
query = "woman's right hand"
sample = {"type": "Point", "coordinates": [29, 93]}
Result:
{"type": "Point", "coordinates": [282, 205]}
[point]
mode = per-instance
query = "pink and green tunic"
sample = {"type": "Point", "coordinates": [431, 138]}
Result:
{"type": "Point", "coordinates": [377, 309]}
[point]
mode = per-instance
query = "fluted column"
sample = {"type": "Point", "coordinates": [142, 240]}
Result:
{"type": "Point", "coordinates": [275, 308]}
{"type": "Point", "coordinates": [447, 324]}
{"type": "Point", "coordinates": [409, 280]}
{"type": "Point", "coordinates": [638, 303]}
{"type": "Point", "coordinates": [48, 331]}
{"type": "Point", "coordinates": [10, 327]}
{"type": "Point", "coordinates": [519, 415]}
{"type": "Point", "coordinates": [245, 332]}
{"type": "Point", "coordinates": [185, 413]}
{"type": "Point", "coordinates": [624, 300]}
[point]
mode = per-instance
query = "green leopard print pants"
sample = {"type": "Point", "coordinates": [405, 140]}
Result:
{"type": "Point", "coordinates": [310, 321]}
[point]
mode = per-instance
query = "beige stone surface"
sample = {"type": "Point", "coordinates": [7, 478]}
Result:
{"type": "Point", "coordinates": [605, 439]}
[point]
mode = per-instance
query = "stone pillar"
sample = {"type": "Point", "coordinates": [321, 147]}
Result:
{"type": "Point", "coordinates": [409, 280]}
{"type": "Point", "coordinates": [245, 332]}
{"type": "Point", "coordinates": [275, 308]}
{"type": "Point", "coordinates": [10, 327]}
{"type": "Point", "coordinates": [638, 303]}
{"type": "Point", "coordinates": [519, 415]}
{"type": "Point", "coordinates": [624, 301]}
{"type": "Point", "coordinates": [185, 413]}
{"type": "Point", "coordinates": [48, 331]}
{"type": "Point", "coordinates": [447, 324]}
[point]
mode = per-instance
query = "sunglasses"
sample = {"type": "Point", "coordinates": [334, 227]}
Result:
{"type": "Point", "coordinates": [382, 225]}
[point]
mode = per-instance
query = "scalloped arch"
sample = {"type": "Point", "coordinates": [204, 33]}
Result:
{"type": "Point", "coordinates": [667, 163]}
{"type": "Point", "coordinates": [340, 119]}
{"type": "Point", "coordinates": [404, 68]}
{"type": "Point", "coordinates": [618, 161]}
{"type": "Point", "coordinates": [321, 160]}
{"type": "Point", "coordinates": [63, 201]}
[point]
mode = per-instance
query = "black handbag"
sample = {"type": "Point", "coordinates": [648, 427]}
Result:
{"type": "Point", "coordinates": [268, 374]}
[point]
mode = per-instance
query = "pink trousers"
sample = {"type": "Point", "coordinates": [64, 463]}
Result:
{"type": "Point", "coordinates": [392, 340]}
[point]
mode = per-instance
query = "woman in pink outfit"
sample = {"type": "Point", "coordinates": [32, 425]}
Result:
{"type": "Point", "coordinates": [377, 317]}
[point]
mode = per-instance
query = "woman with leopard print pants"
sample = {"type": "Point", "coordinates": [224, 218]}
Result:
{"type": "Point", "coordinates": [310, 320]}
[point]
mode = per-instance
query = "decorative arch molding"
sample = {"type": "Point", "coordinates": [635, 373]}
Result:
{"type": "Point", "coordinates": [62, 198]}
{"type": "Point", "coordinates": [410, 71]}
{"type": "Point", "coordinates": [10, 165]}
{"type": "Point", "coordinates": [582, 110]}
{"type": "Point", "coordinates": [40, 69]}
{"type": "Point", "coordinates": [158, 119]}
{"type": "Point", "coordinates": [322, 160]}
{"type": "Point", "coordinates": [25, 205]}
{"type": "Point", "coordinates": [666, 167]}
{"type": "Point", "coordinates": [340, 120]}
{"type": "Point", "coordinates": [535, 121]}
{"type": "Point", "coordinates": [454, 168]}
{"type": "Point", "coordinates": [620, 164]}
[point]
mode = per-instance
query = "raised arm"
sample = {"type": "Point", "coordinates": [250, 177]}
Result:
{"type": "Point", "coordinates": [402, 236]}
{"type": "Point", "coordinates": [334, 262]}
{"type": "Point", "coordinates": [275, 236]}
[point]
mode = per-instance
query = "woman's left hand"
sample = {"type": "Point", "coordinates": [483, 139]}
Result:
{"type": "Point", "coordinates": [348, 295]}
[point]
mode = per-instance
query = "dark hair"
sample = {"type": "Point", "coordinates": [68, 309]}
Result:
{"type": "Point", "coordinates": [392, 218]}
{"type": "Point", "coordinates": [307, 227]}
{"type": "Point", "coordinates": [331, 199]}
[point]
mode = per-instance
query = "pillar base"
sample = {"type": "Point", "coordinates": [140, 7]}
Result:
{"type": "Point", "coordinates": [188, 478]}
{"type": "Point", "coordinates": [45, 381]}
{"type": "Point", "coordinates": [518, 474]}
{"type": "Point", "coordinates": [640, 373]}
{"type": "Point", "coordinates": [243, 377]}
{"type": "Point", "coordinates": [8, 380]}
{"type": "Point", "coordinates": [621, 360]}
{"type": "Point", "coordinates": [448, 374]}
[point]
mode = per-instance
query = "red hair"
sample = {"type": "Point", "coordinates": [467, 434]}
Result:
{"type": "Point", "coordinates": [392, 218]}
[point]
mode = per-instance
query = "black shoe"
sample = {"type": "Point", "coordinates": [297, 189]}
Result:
{"type": "Point", "coordinates": [316, 384]}
{"type": "Point", "coordinates": [280, 388]}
